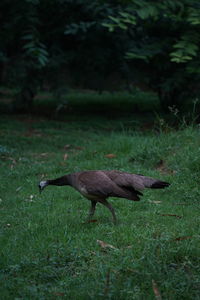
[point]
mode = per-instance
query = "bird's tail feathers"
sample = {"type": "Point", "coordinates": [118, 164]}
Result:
{"type": "Point", "coordinates": [159, 184]}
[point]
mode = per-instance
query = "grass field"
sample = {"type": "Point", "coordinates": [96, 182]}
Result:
{"type": "Point", "coordinates": [47, 249]}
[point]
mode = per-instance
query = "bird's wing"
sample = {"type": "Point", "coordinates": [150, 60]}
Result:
{"type": "Point", "coordinates": [135, 181]}
{"type": "Point", "coordinates": [127, 180]}
{"type": "Point", "coordinates": [97, 183]}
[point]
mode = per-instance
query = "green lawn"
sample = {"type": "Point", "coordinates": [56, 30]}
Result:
{"type": "Point", "coordinates": [47, 249]}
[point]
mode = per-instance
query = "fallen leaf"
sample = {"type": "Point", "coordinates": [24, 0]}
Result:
{"type": "Point", "coordinates": [130, 270]}
{"type": "Point", "coordinates": [105, 245]}
{"type": "Point", "coordinates": [110, 155]}
{"type": "Point", "coordinates": [91, 221]}
{"type": "Point", "coordinates": [44, 154]}
{"type": "Point", "coordinates": [156, 290]}
{"type": "Point", "coordinates": [59, 294]}
{"type": "Point", "coordinates": [170, 215]}
{"type": "Point", "coordinates": [65, 156]}
{"type": "Point", "coordinates": [182, 238]}
{"type": "Point", "coordinates": [155, 202]}
{"type": "Point", "coordinates": [71, 147]}
{"type": "Point", "coordinates": [79, 148]}
{"type": "Point", "coordinates": [67, 147]}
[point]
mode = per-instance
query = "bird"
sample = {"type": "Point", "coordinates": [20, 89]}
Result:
{"type": "Point", "coordinates": [98, 185]}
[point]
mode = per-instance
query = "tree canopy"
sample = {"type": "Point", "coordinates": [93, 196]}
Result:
{"type": "Point", "coordinates": [151, 44]}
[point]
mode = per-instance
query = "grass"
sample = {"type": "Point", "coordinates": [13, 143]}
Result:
{"type": "Point", "coordinates": [47, 249]}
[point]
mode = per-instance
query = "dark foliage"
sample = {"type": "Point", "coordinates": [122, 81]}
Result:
{"type": "Point", "coordinates": [100, 45]}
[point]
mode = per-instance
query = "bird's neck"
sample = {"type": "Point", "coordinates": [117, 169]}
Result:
{"type": "Point", "coordinates": [64, 180]}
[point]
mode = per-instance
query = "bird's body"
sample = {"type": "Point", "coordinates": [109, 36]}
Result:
{"type": "Point", "coordinates": [99, 185]}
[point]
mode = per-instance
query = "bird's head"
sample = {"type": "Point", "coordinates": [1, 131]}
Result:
{"type": "Point", "coordinates": [42, 185]}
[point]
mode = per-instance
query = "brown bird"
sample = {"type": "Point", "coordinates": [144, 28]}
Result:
{"type": "Point", "coordinates": [99, 185]}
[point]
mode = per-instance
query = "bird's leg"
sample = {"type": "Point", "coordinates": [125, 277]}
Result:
{"type": "Point", "coordinates": [92, 209]}
{"type": "Point", "coordinates": [109, 206]}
